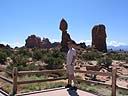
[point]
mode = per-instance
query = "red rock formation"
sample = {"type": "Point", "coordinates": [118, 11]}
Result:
{"type": "Point", "coordinates": [65, 36]}
{"type": "Point", "coordinates": [46, 43]}
{"type": "Point", "coordinates": [35, 42]}
{"type": "Point", "coordinates": [99, 38]}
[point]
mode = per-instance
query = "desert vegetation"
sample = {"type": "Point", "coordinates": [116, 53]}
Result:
{"type": "Point", "coordinates": [32, 59]}
{"type": "Point", "coordinates": [27, 59]}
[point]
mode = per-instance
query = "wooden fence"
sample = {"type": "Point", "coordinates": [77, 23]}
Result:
{"type": "Point", "coordinates": [113, 74]}
{"type": "Point", "coordinates": [16, 73]}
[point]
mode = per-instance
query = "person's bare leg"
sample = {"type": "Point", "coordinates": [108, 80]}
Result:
{"type": "Point", "coordinates": [74, 80]}
{"type": "Point", "coordinates": [75, 83]}
{"type": "Point", "coordinates": [69, 79]}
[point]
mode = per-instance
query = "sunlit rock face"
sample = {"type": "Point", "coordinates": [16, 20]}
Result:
{"type": "Point", "coordinates": [99, 37]}
{"type": "Point", "coordinates": [46, 43]}
{"type": "Point", "coordinates": [36, 42]}
{"type": "Point", "coordinates": [33, 42]}
{"type": "Point", "coordinates": [65, 36]}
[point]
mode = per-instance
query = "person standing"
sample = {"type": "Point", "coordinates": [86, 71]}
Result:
{"type": "Point", "coordinates": [70, 63]}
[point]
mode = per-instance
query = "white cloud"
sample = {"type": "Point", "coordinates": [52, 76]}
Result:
{"type": "Point", "coordinates": [87, 42]}
{"type": "Point", "coordinates": [54, 40]}
{"type": "Point", "coordinates": [115, 43]}
{"type": "Point", "coordinates": [13, 44]}
{"type": "Point", "coordinates": [109, 43]}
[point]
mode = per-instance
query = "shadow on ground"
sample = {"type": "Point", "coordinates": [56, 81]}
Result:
{"type": "Point", "coordinates": [72, 92]}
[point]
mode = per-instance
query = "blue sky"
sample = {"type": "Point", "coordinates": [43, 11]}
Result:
{"type": "Point", "coordinates": [22, 18]}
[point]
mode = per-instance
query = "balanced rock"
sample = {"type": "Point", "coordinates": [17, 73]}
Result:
{"type": "Point", "coordinates": [65, 36]}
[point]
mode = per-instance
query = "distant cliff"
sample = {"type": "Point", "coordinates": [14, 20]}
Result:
{"type": "Point", "coordinates": [35, 42]}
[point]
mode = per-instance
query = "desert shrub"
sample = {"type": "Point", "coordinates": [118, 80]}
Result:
{"type": "Point", "coordinates": [54, 59]}
{"type": "Point", "coordinates": [37, 55]}
{"type": "Point", "coordinates": [21, 63]}
{"type": "Point", "coordinates": [24, 52]}
{"type": "Point", "coordinates": [91, 56]}
{"type": "Point", "coordinates": [41, 54]}
{"type": "Point", "coordinates": [106, 62]}
{"type": "Point", "coordinates": [18, 61]}
{"type": "Point", "coordinates": [8, 52]}
{"type": "Point", "coordinates": [54, 63]}
{"type": "Point", "coordinates": [45, 56]}
{"type": "Point", "coordinates": [118, 56]}
{"type": "Point", "coordinates": [3, 57]}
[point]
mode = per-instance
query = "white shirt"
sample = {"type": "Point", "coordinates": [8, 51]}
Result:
{"type": "Point", "coordinates": [70, 54]}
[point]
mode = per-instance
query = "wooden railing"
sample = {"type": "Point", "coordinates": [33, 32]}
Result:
{"type": "Point", "coordinates": [6, 79]}
{"type": "Point", "coordinates": [113, 74]}
{"type": "Point", "coordinates": [17, 73]}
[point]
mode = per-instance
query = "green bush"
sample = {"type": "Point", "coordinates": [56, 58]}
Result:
{"type": "Point", "coordinates": [54, 63]}
{"type": "Point", "coordinates": [24, 52]}
{"type": "Point", "coordinates": [18, 61]}
{"type": "Point", "coordinates": [106, 62]}
{"type": "Point", "coordinates": [8, 52]}
{"type": "Point", "coordinates": [118, 56]}
{"type": "Point", "coordinates": [37, 55]}
{"type": "Point", "coordinates": [54, 59]}
{"type": "Point", "coordinates": [3, 57]}
{"type": "Point", "coordinates": [91, 55]}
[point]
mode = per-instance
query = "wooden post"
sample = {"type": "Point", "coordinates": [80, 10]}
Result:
{"type": "Point", "coordinates": [14, 74]}
{"type": "Point", "coordinates": [114, 81]}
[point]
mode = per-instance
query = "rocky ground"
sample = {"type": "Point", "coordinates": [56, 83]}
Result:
{"type": "Point", "coordinates": [122, 71]}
